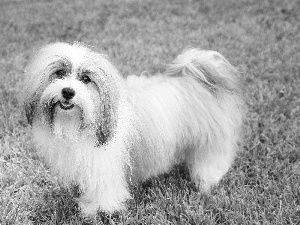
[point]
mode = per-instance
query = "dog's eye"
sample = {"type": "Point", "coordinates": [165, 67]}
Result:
{"type": "Point", "coordinates": [60, 73]}
{"type": "Point", "coordinates": [85, 79]}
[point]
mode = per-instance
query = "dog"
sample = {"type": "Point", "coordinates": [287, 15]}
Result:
{"type": "Point", "coordinates": [102, 131]}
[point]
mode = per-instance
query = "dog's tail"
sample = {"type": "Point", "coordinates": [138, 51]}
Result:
{"type": "Point", "coordinates": [208, 67]}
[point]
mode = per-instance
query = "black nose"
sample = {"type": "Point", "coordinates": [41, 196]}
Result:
{"type": "Point", "coordinates": [68, 93]}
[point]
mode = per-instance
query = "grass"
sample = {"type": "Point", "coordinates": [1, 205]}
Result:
{"type": "Point", "coordinates": [260, 37]}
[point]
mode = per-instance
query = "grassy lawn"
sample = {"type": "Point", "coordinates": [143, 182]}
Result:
{"type": "Point", "coordinates": [260, 37]}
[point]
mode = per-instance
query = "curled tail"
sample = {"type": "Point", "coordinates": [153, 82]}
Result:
{"type": "Point", "coordinates": [207, 67]}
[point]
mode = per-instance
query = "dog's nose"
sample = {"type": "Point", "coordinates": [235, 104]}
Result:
{"type": "Point", "coordinates": [68, 93]}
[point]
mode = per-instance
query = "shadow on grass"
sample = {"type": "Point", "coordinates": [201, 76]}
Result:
{"type": "Point", "coordinates": [58, 205]}
{"type": "Point", "coordinates": [177, 179]}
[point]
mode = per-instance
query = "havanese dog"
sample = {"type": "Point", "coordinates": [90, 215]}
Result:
{"type": "Point", "coordinates": [102, 131]}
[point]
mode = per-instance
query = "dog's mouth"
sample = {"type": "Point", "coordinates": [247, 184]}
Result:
{"type": "Point", "coordinates": [65, 105]}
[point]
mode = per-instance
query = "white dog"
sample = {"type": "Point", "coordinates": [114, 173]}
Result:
{"type": "Point", "coordinates": [97, 129]}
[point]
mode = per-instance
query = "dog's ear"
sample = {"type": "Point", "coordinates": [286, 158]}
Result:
{"type": "Point", "coordinates": [102, 136]}
{"type": "Point", "coordinates": [109, 83]}
{"type": "Point", "coordinates": [30, 109]}
{"type": "Point", "coordinates": [106, 125]}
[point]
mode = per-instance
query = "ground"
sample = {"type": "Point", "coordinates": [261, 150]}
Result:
{"type": "Point", "coordinates": [260, 37]}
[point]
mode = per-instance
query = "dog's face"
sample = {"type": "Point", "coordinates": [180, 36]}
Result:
{"type": "Point", "coordinates": [70, 89]}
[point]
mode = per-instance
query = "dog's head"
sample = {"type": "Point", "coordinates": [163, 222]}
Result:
{"type": "Point", "coordinates": [72, 85]}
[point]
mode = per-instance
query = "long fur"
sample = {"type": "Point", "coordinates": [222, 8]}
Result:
{"type": "Point", "coordinates": [122, 130]}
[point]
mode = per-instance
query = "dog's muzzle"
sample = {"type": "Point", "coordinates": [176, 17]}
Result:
{"type": "Point", "coordinates": [65, 105]}
{"type": "Point", "coordinates": [67, 93]}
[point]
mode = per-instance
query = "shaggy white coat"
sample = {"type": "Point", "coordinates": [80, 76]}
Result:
{"type": "Point", "coordinates": [190, 114]}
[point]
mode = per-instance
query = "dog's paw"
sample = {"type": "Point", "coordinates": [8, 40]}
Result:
{"type": "Point", "coordinates": [88, 209]}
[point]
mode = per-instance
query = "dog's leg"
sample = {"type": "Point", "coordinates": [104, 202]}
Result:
{"type": "Point", "coordinates": [89, 203]}
{"type": "Point", "coordinates": [108, 200]}
{"type": "Point", "coordinates": [208, 164]}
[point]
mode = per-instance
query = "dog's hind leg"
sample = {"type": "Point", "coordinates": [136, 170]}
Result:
{"type": "Point", "coordinates": [207, 165]}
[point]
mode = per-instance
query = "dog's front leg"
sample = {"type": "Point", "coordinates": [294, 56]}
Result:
{"type": "Point", "coordinates": [104, 198]}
